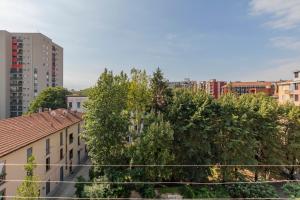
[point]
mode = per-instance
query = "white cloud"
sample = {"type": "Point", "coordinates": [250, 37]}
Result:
{"type": "Point", "coordinates": [284, 14]}
{"type": "Point", "coordinates": [290, 43]}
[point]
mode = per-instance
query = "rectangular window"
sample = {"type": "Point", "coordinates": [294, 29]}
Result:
{"type": "Point", "coordinates": [71, 138]}
{"type": "Point", "coordinates": [29, 153]}
{"type": "Point", "coordinates": [78, 128]}
{"type": "Point", "coordinates": [61, 139]}
{"type": "Point", "coordinates": [296, 74]}
{"type": "Point", "coordinates": [70, 104]}
{"type": "Point", "coordinates": [47, 146]}
{"type": "Point", "coordinates": [296, 97]}
{"type": "Point", "coordinates": [2, 172]}
{"type": "Point", "coordinates": [48, 187]}
{"type": "Point", "coordinates": [47, 164]}
{"type": "Point", "coordinates": [71, 154]}
{"type": "Point", "coordinates": [78, 105]}
{"type": "Point", "coordinates": [61, 154]}
{"type": "Point", "coordinates": [296, 86]}
{"type": "Point", "coordinates": [2, 194]}
{"type": "Point", "coordinates": [78, 140]}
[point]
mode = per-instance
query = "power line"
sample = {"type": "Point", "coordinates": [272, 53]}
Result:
{"type": "Point", "coordinates": [154, 165]}
{"type": "Point", "coordinates": [156, 183]}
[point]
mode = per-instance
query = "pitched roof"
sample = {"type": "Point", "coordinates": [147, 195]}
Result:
{"type": "Point", "coordinates": [19, 132]}
{"type": "Point", "coordinates": [251, 84]}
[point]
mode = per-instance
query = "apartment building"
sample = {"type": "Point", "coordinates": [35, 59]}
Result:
{"type": "Point", "coordinates": [76, 103]}
{"type": "Point", "coordinates": [249, 88]}
{"type": "Point", "coordinates": [52, 137]}
{"type": "Point", "coordinates": [289, 91]}
{"type": "Point", "coordinates": [186, 83]}
{"type": "Point", "coordinates": [29, 63]}
{"type": "Point", "coordinates": [214, 88]}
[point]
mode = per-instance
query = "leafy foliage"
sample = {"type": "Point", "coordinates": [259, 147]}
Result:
{"type": "Point", "coordinates": [252, 191]}
{"type": "Point", "coordinates": [51, 97]}
{"type": "Point", "coordinates": [292, 190]}
{"type": "Point", "coordinates": [29, 188]}
{"type": "Point", "coordinates": [79, 186]}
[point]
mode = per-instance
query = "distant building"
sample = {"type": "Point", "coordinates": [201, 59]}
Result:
{"type": "Point", "coordinates": [76, 103]}
{"type": "Point", "coordinates": [249, 88]}
{"type": "Point", "coordinates": [202, 85]}
{"type": "Point", "coordinates": [29, 63]}
{"type": "Point", "coordinates": [289, 91]}
{"type": "Point", "coordinates": [52, 137]}
{"type": "Point", "coordinates": [186, 83]}
{"type": "Point", "coordinates": [214, 88]}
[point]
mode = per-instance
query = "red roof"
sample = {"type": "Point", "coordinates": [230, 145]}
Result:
{"type": "Point", "coordinates": [19, 132]}
{"type": "Point", "coordinates": [251, 84]}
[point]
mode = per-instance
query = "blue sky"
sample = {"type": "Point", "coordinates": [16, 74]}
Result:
{"type": "Point", "coordinates": [199, 39]}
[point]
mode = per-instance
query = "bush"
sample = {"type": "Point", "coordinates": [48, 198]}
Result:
{"type": "Point", "coordinates": [252, 190]}
{"type": "Point", "coordinates": [292, 190]}
{"type": "Point", "coordinates": [211, 192]}
{"type": "Point", "coordinates": [148, 191]}
{"type": "Point", "coordinates": [187, 192]}
{"type": "Point", "coordinates": [79, 186]}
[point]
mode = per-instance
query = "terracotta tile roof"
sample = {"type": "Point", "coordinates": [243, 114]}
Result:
{"type": "Point", "coordinates": [18, 132]}
{"type": "Point", "coordinates": [256, 83]}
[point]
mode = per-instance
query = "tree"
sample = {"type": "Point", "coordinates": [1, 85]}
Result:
{"type": "Point", "coordinates": [51, 97]}
{"type": "Point", "coordinates": [79, 185]}
{"type": "Point", "coordinates": [29, 189]}
{"type": "Point", "coordinates": [161, 93]}
{"type": "Point", "coordinates": [155, 148]}
{"type": "Point", "coordinates": [106, 120]}
{"type": "Point", "coordinates": [290, 134]}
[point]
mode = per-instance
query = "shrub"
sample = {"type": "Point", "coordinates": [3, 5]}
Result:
{"type": "Point", "coordinates": [187, 192]}
{"type": "Point", "coordinates": [292, 190]}
{"type": "Point", "coordinates": [79, 186]}
{"type": "Point", "coordinates": [211, 192]}
{"type": "Point", "coordinates": [252, 190]}
{"type": "Point", "coordinates": [148, 191]}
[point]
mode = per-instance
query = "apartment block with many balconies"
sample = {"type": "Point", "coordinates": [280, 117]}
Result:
{"type": "Point", "coordinates": [29, 63]}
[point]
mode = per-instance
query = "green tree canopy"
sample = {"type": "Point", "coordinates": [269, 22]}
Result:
{"type": "Point", "coordinates": [51, 97]}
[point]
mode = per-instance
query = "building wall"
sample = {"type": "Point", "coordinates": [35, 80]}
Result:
{"type": "Point", "coordinates": [284, 93]}
{"type": "Point", "coordinates": [76, 103]}
{"type": "Point", "coordinates": [39, 152]}
{"type": "Point", "coordinates": [5, 60]}
{"type": "Point", "coordinates": [34, 62]}
{"type": "Point", "coordinates": [214, 88]}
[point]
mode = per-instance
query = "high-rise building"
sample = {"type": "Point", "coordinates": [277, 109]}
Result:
{"type": "Point", "coordinates": [29, 63]}
{"type": "Point", "coordinates": [214, 87]}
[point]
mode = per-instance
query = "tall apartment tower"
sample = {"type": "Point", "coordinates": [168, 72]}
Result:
{"type": "Point", "coordinates": [214, 88]}
{"type": "Point", "coordinates": [29, 63]}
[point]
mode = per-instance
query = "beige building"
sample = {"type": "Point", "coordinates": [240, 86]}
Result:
{"type": "Point", "coordinates": [29, 63]}
{"type": "Point", "coordinates": [289, 91]}
{"type": "Point", "coordinates": [52, 137]}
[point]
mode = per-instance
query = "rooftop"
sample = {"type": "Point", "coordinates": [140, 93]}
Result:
{"type": "Point", "coordinates": [19, 132]}
{"type": "Point", "coordinates": [254, 83]}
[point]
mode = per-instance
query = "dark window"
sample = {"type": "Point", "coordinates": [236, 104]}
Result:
{"type": "Point", "coordinates": [48, 187]}
{"type": "Point", "coordinates": [71, 138]}
{"type": "Point", "coordinates": [2, 172]}
{"type": "Point", "coordinates": [70, 104]}
{"type": "Point", "coordinates": [71, 154]}
{"type": "Point", "coordinates": [78, 104]}
{"type": "Point", "coordinates": [61, 154]}
{"type": "Point", "coordinates": [296, 86]}
{"type": "Point", "coordinates": [296, 97]}
{"type": "Point", "coordinates": [29, 153]}
{"type": "Point", "coordinates": [47, 164]}
{"type": "Point", "coordinates": [61, 139]}
{"type": "Point", "coordinates": [78, 128]}
{"type": "Point", "coordinates": [78, 140]}
{"type": "Point", "coordinates": [2, 194]}
{"type": "Point", "coordinates": [47, 146]}
{"type": "Point", "coordinates": [296, 74]}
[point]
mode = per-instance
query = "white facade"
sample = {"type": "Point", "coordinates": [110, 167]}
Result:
{"type": "Point", "coordinates": [76, 103]}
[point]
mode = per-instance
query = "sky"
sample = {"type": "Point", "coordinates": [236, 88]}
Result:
{"type": "Point", "coordinates": [232, 40]}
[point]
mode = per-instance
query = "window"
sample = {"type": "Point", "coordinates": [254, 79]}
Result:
{"type": "Point", "coordinates": [78, 104]}
{"type": "Point", "coordinates": [61, 154]}
{"type": "Point", "coordinates": [71, 154]}
{"type": "Point", "coordinates": [78, 140]}
{"type": "Point", "coordinates": [2, 172]}
{"type": "Point", "coordinates": [296, 86]}
{"type": "Point", "coordinates": [47, 146]}
{"type": "Point", "coordinates": [47, 164]}
{"type": "Point", "coordinates": [61, 139]}
{"type": "Point", "coordinates": [71, 138]}
{"type": "Point", "coordinates": [70, 104]}
{"type": "Point", "coordinates": [29, 153]}
{"type": "Point", "coordinates": [47, 187]}
{"type": "Point", "coordinates": [296, 74]}
{"type": "Point", "coordinates": [2, 194]}
{"type": "Point", "coordinates": [78, 128]}
{"type": "Point", "coordinates": [296, 97]}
